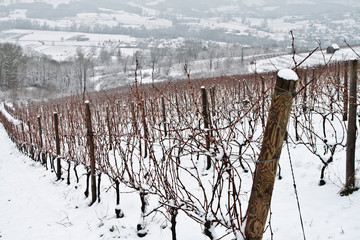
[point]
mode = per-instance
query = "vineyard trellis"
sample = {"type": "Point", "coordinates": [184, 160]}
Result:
{"type": "Point", "coordinates": [190, 144]}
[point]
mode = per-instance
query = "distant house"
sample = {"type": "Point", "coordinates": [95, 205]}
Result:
{"type": "Point", "coordinates": [82, 39]}
{"type": "Point", "coordinates": [332, 48]}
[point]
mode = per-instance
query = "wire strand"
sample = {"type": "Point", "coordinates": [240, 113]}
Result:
{"type": "Point", "coordinates": [295, 190]}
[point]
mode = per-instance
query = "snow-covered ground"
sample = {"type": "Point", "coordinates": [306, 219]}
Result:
{"type": "Point", "coordinates": [317, 58]}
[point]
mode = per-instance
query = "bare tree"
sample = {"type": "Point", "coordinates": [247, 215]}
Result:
{"type": "Point", "coordinates": [11, 58]}
{"type": "Point", "coordinates": [83, 65]}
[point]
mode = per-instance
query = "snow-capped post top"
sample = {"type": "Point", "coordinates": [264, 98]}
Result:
{"type": "Point", "coordinates": [286, 82]}
{"type": "Point", "coordinates": [87, 102]}
{"type": "Point", "coordinates": [288, 74]}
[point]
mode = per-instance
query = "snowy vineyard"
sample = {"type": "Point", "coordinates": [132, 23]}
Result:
{"type": "Point", "coordinates": [188, 146]}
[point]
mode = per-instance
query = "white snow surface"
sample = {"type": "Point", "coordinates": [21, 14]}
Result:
{"type": "Point", "coordinates": [288, 74]}
{"type": "Point", "coordinates": [335, 46]}
{"type": "Point", "coordinates": [317, 58]}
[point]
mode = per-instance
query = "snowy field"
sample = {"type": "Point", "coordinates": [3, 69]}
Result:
{"type": "Point", "coordinates": [61, 45]}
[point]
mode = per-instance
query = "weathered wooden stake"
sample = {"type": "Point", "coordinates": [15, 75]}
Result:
{"type": "Point", "coordinates": [108, 126]}
{"type": "Point", "coordinates": [177, 108]}
{"type": "Point", "coordinates": [206, 116]}
{"type": "Point", "coordinates": [31, 150]}
{"type": "Point", "coordinates": [338, 81]}
{"type": "Point", "coordinates": [132, 105]}
{"type": "Point", "coordinates": [185, 101]}
{"type": "Point", "coordinates": [246, 87]}
{"type": "Point", "coordinates": [40, 132]}
{"type": "Point", "coordinates": [351, 131]}
{"type": "Point", "coordinates": [57, 145]}
{"type": "Point", "coordinates": [42, 157]}
{"type": "Point", "coordinates": [30, 136]}
{"type": "Point", "coordinates": [146, 132]}
{"type": "Point", "coordinates": [152, 111]}
{"type": "Point", "coordinates": [23, 132]}
{"type": "Point", "coordinates": [312, 89]}
{"type": "Point", "coordinates": [212, 99]}
{"type": "Point", "coordinates": [164, 114]}
{"type": "Point", "coordinates": [304, 102]}
{"type": "Point", "coordinates": [263, 101]}
{"type": "Point", "coordinates": [346, 94]}
{"type": "Point", "coordinates": [265, 171]}
{"type": "Point", "coordinates": [90, 143]}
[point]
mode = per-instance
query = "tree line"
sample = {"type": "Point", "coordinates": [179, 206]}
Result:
{"type": "Point", "coordinates": [23, 70]}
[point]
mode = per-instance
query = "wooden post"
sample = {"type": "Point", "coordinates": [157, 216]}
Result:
{"type": "Point", "coordinates": [152, 111]}
{"type": "Point", "coordinates": [206, 116]}
{"type": "Point", "coordinates": [212, 98]}
{"type": "Point", "coordinates": [146, 132]}
{"type": "Point", "coordinates": [41, 156]}
{"type": "Point", "coordinates": [90, 143]}
{"type": "Point", "coordinates": [244, 89]}
{"type": "Point", "coordinates": [351, 131]}
{"type": "Point", "coordinates": [265, 171]}
{"type": "Point", "coordinates": [40, 132]}
{"type": "Point", "coordinates": [23, 132]}
{"type": "Point", "coordinates": [108, 126]}
{"type": "Point", "coordinates": [30, 137]}
{"type": "Point", "coordinates": [164, 114]}
{"type": "Point", "coordinates": [304, 102]}
{"type": "Point", "coordinates": [177, 108]}
{"type": "Point", "coordinates": [312, 89]}
{"type": "Point", "coordinates": [57, 146]}
{"type": "Point", "coordinates": [185, 102]}
{"type": "Point", "coordinates": [346, 95]}
{"type": "Point", "coordinates": [338, 81]}
{"type": "Point", "coordinates": [31, 150]}
{"type": "Point", "coordinates": [262, 114]}
{"type": "Point", "coordinates": [134, 117]}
